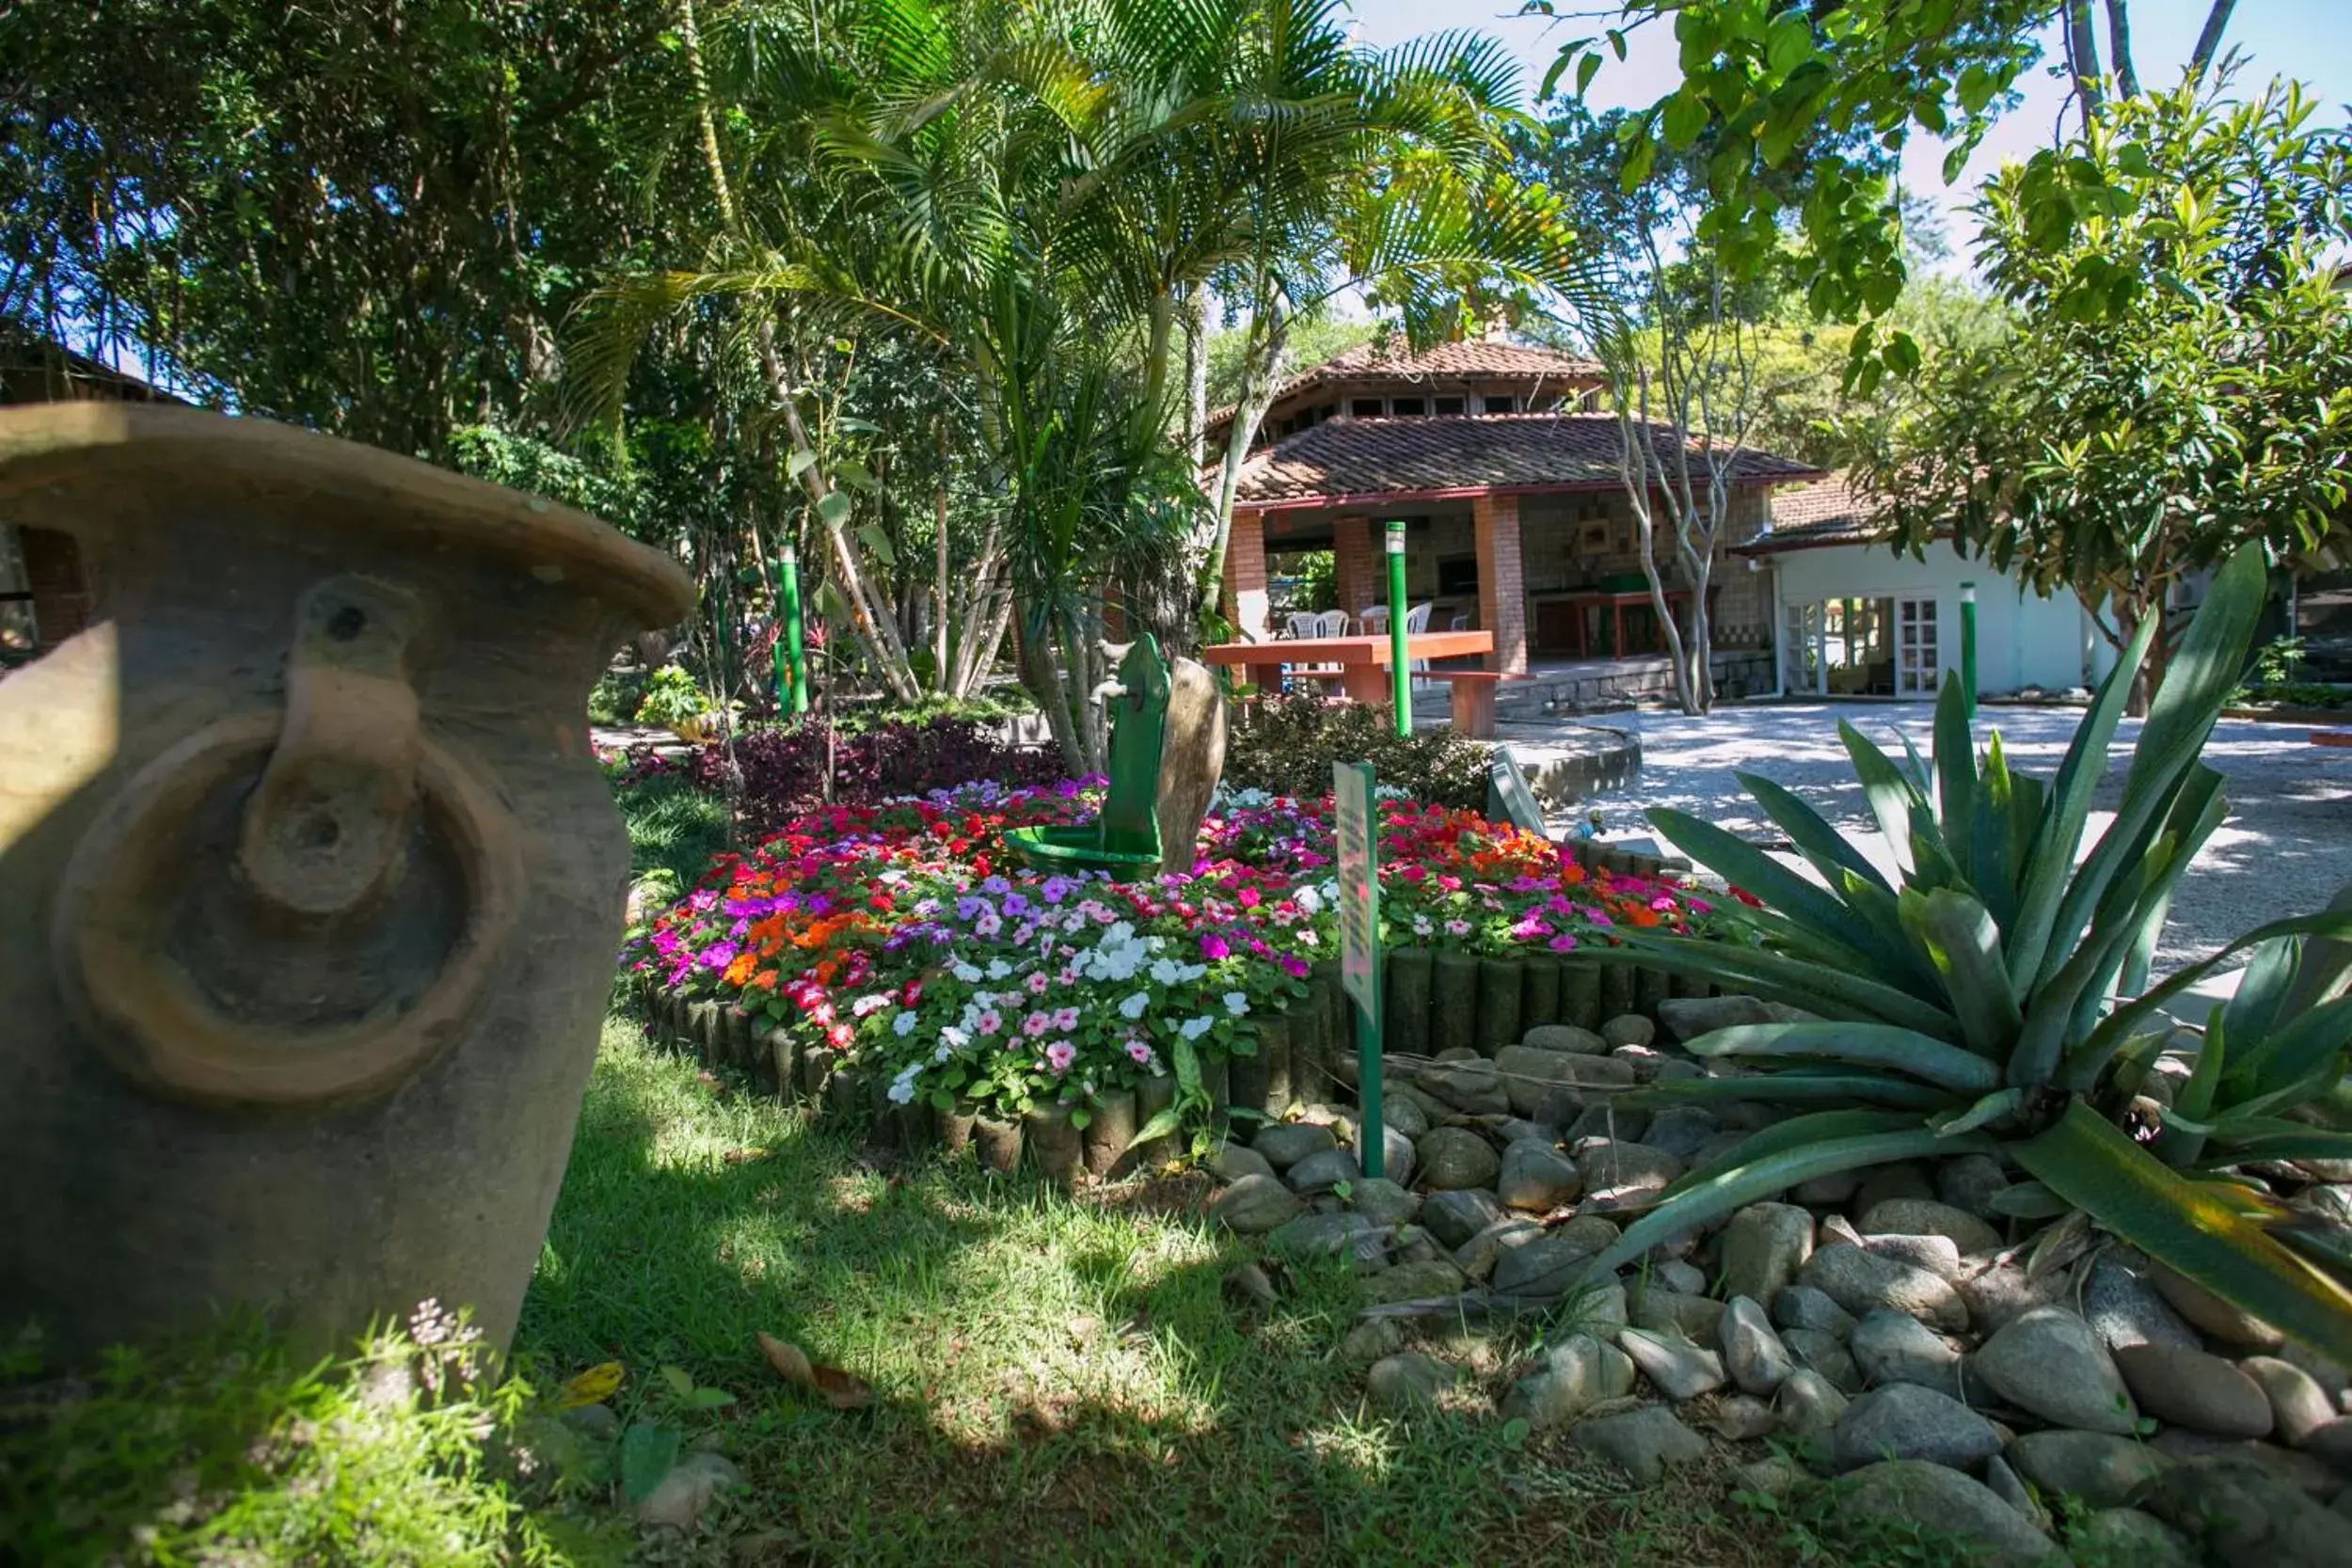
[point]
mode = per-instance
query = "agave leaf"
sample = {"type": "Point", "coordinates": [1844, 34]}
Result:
{"type": "Point", "coordinates": [2186, 812]}
{"type": "Point", "coordinates": [1800, 1088]}
{"type": "Point", "coordinates": [2084, 1063]}
{"type": "Point", "coordinates": [2294, 1095]}
{"type": "Point", "coordinates": [2294, 1052]}
{"type": "Point", "coordinates": [1958, 936]}
{"type": "Point", "coordinates": [2045, 867]}
{"type": "Point", "coordinates": [1891, 795]}
{"type": "Point", "coordinates": [2089, 1161]}
{"type": "Point", "coordinates": [1796, 1133]}
{"type": "Point", "coordinates": [1991, 871]}
{"type": "Point", "coordinates": [2323, 1246]}
{"type": "Point", "coordinates": [1991, 1108]}
{"type": "Point", "coordinates": [1956, 774]}
{"type": "Point", "coordinates": [1813, 987]}
{"type": "Point", "coordinates": [1864, 1045]}
{"type": "Point", "coordinates": [2324, 968]}
{"type": "Point", "coordinates": [1828, 849]}
{"type": "Point", "coordinates": [2252, 1010]}
{"type": "Point", "coordinates": [2028, 1201]}
{"type": "Point", "coordinates": [2310, 1143]}
{"type": "Point", "coordinates": [1724, 1191]}
{"type": "Point", "coordinates": [1798, 898]}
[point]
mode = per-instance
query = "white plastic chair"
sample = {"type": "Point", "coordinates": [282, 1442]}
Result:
{"type": "Point", "coordinates": [1417, 622]}
{"type": "Point", "coordinates": [1300, 623]}
{"type": "Point", "coordinates": [1331, 623]}
{"type": "Point", "coordinates": [1374, 619]}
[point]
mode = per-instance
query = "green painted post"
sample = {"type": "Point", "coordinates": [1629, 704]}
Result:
{"type": "Point", "coordinates": [791, 653]}
{"type": "Point", "coordinates": [1356, 798]}
{"type": "Point", "coordinates": [1968, 647]}
{"type": "Point", "coordinates": [1400, 670]}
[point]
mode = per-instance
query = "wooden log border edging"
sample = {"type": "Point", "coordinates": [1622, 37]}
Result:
{"type": "Point", "coordinates": [1306, 1056]}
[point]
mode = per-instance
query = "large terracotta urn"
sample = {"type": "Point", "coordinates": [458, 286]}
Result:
{"type": "Point", "coordinates": [310, 884]}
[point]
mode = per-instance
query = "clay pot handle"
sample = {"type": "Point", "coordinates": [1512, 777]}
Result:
{"type": "Point", "coordinates": [326, 822]}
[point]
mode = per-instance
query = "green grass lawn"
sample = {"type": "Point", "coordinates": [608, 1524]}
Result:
{"type": "Point", "coordinates": [1056, 1378]}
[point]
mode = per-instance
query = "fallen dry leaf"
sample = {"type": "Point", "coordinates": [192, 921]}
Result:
{"type": "Point", "coordinates": [840, 1389]}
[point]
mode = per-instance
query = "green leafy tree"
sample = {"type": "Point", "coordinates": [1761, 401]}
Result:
{"type": "Point", "coordinates": [2175, 385]}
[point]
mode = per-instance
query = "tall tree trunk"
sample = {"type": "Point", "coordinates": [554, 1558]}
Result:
{"type": "Point", "coordinates": [940, 597]}
{"type": "Point", "coordinates": [1195, 373]}
{"type": "Point", "coordinates": [2209, 39]}
{"type": "Point", "coordinates": [2082, 55]}
{"type": "Point", "coordinates": [1262, 364]}
{"type": "Point", "coordinates": [1045, 685]}
{"type": "Point", "coordinates": [2120, 47]}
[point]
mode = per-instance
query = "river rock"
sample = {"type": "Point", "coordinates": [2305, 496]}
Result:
{"type": "Point", "coordinates": [1231, 1162]}
{"type": "Point", "coordinates": [1286, 1143]}
{"type": "Point", "coordinates": [1934, 1254]}
{"type": "Point", "coordinates": [1809, 1405]}
{"type": "Point", "coordinates": [2209, 1312]}
{"type": "Point", "coordinates": [1322, 1173]}
{"type": "Point", "coordinates": [1575, 1374]}
{"type": "Point", "coordinates": [1455, 1159]}
{"type": "Point", "coordinates": [1673, 1312]}
{"type": "Point", "coordinates": [2048, 1362]}
{"type": "Point", "coordinates": [2101, 1468]}
{"type": "Point", "coordinates": [1627, 1029]}
{"type": "Point", "coordinates": [2297, 1403]}
{"type": "Point", "coordinates": [1824, 1354]}
{"type": "Point", "coordinates": [2248, 1518]}
{"type": "Point", "coordinates": [1683, 1279]}
{"type": "Point", "coordinates": [1536, 1177]}
{"type": "Point", "coordinates": [2003, 1484]}
{"type": "Point", "coordinates": [1641, 1443]}
{"type": "Point", "coordinates": [1681, 1370]}
{"type": "Point", "coordinates": [2332, 1442]}
{"type": "Point", "coordinates": [1969, 1183]}
{"type": "Point", "coordinates": [1476, 1256]}
{"type": "Point", "coordinates": [2129, 1535]}
{"type": "Point", "coordinates": [1903, 1420]}
{"type": "Point", "coordinates": [1455, 1215]}
{"type": "Point", "coordinates": [1403, 1114]}
{"type": "Point", "coordinates": [1529, 1074]}
{"type": "Point", "coordinates": [2123, 1306]}
{"type": "Point", "coordinates": [1414, 1282]}
{"type": "Point", "coordinates": [1256, 1203]}
{"type": "Point", "coordinates": [2302, 1469]}
{"type": "Point", "coordinates": [1409, 1381]}
{"type": "Point", "coordinates": [1753, 1353]}
{"type": "Point", "coordinates": [1340, 1235]}
{"type": "Point", "coordinates": [2190, 1388]}
{"type": "Point", "coordinates": [1372, 1339]}
{"type": "Point", "coordinates": [1763, 1247]}
{"type": "Point", "coordinates": [1859, 1280]}
{"type": "Point", "coordinates": [1826, 1192]}
{"type": "Point", "coordinates": [1610, 1166]}
{"type": "Point", "coordinates": [1607, 1120]}
{"type": "Point", "coordinates": [1903, 1179]}
{"type": "Point", "coordinates": [1686, 1018]}
{"type": "Point", "coordinates": [1945, 1503]}
{"type": "Point", "coordinates": [1803, 1307]}
{"type": "Point", "coordinates": [1999, 1295]}
{"type": "Point", "coordinates": [1383, 1202]}
{"type": "Point", "coordinates": [1896, 1347]}
{"type": "Point", "coordinates": [1921, 1216]}
{"type": "Point", "coordinates": [1474, 1086]}
{"type": "Point", "coordinates": [1680, 1131]}
{"type": "Point", "coordinates": [1774, 1476]}
{"type": "Point", "coordinates": [678, 1501]}
{"type": "Point", "coordinates": [1563, 1036]}
{"type": "Point", "coordinates": [1543, 1269]}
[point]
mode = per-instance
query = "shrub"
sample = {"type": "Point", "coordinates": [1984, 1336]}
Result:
{"type": "Point", "coordinates": [1994, 998]}
{"type": "Point", "coordinates": [1287, 744]}
{"type": "Point", "coordinates": [615, 696]}
{"type": "Point", "coordinates": [783, 767]}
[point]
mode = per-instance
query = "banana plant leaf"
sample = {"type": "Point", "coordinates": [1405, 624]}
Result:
{"type": "Point", "coordinates": [2091, 1162]}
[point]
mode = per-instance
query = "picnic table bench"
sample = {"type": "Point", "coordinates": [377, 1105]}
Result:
{"type": "Point", "coordinates": [1362, 667]}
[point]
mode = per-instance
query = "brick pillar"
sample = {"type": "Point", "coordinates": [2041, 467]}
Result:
{"type": "Point", "coordinates": [1501, 586]}
{"type": "Point", "coordinates": [1245, 576]}
{"type": "Point", "coordinates": [1357, 563]}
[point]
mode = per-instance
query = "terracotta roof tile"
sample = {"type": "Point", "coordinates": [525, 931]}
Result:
{"type": "Point", "coordinates": [1807, 516]}
{"type": "Point", "coordinates": [1477, 360]}
{"type": "Point", "coordinates": [1505, 451]}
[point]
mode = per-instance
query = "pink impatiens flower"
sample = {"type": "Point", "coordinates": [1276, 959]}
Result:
{"type": "Point", "coordinates": [1065, 1017]}
{"type": "Point", "coordinates": [1059, 1055]}
{"type": "Point", "coordinates": [988, 1022]}
{"type": "Point", "coordinates": [1035, 1024]}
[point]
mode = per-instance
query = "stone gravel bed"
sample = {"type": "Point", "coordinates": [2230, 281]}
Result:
{"type": "Point", "coordinates": [1878, 1332]}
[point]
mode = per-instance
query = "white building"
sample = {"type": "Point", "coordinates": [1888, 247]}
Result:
{"type": "Point", "coordinates": [1856, 619]}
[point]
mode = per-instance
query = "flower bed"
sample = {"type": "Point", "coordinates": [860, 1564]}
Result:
{"type": "Point", "coordinates": [905, 937]}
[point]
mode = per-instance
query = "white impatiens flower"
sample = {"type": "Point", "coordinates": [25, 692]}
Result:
{"type": "Point", "coordinates": [954, 1038]}
{"type": "Point", "coordinates": [1167, 972]}
{"type": "Point", "coordinates": [1196, 1027]}
{"type": "Point", "coordinates": [1133, 1008]}
{"type": "Point", "coordinates": [872, 1003]}
{"type": "Point", "coordinates": [1236, 1002]}
{"type": "Point", "coordinates": [997, 969]}
{"type": "Point", "coordinates": [902, 1086]}
{"type": "Point", "coordinates": [1307, 899]}
{"type": "Point", "coordinates": [904, 1024]}
{"type": "Point", "coordinates": [968, 973]}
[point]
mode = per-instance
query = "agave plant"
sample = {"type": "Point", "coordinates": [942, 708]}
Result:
{"type": "Point", "coordinates": [1994, 996]}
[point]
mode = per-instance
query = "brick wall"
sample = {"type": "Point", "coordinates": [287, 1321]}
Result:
{"type": "Point", "coordinates": [61, 588]}
{"type": "Point", "coordinates": [1357, 563]}
{"type": "Point", "coordinates": [1246, 599]}
{"type": "Point", "coordinates": [1501, 586]}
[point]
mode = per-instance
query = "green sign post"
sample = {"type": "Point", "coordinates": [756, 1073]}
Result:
{"type": "Point", "coordinates": [791, 656]}
{"type": "Point", "coordinates": [1968, 646]}
{"type": "Point", "coordinates": [1359, 948]}
{"type": "Point", "coordinates": [1400, 671]}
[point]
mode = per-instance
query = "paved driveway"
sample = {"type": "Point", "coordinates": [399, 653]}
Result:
{"type": "Point", "coordinates": [2285, 847]}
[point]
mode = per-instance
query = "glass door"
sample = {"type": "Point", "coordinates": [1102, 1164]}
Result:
{"type": "Point", "coordinates": [1801, 650]}
{"type": "Point", "coordinates": [1917, 666]}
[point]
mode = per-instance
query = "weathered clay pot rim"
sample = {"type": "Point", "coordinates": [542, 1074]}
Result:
{"type": "Point", "coordinates": [52, 446]}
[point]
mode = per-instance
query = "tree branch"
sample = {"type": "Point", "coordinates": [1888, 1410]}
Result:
{"type": "Point", "coordinates": [2209, 40]}
{"type": "Point", "coordinates": [2120, 47]}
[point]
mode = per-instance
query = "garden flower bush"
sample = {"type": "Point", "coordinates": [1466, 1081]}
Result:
{"type": "Point", "coordinates": [906, 934]}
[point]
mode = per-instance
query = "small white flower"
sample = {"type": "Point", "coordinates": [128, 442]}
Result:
{"type": "Point", "coordinates": [998, 969]}
{"type": "Point", "coordinates": [1309, 899]}
{"type": "Point", "coordinates": [1133, 1008]}
{"type": "Point", "coordinates": [1167, 972]}
{"type": "Point", "coordinates": [953, 1039]}
{"type": "Point", "coordinates": [968, 973]}
{"type": "Point", "coordinates": [1236, 1002]}
{"type": "Point", "coordinates": [869, 1003]}
{"type": "Point", "coordinates": [1196, 1027]}
{"type": "Point", "coordinates": [903, 1024]}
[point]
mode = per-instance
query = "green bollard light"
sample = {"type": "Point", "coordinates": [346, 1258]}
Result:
{"type": "Point", "coordinates": [1968, 648]}
{"type": "Point", "coordinates": [1400, 671]}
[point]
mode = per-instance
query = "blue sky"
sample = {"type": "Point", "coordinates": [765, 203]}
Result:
{"type": "Point", "coordinates": [2308, 39]}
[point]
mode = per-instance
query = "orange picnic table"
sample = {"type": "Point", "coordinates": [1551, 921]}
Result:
{"type": "Point", "coordinates": [1362, 667]}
